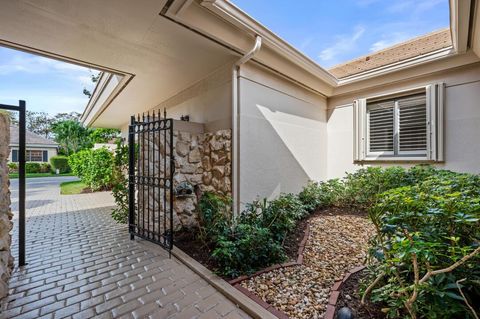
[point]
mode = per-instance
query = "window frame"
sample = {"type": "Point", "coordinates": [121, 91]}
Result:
{"type": "Point", "coordinates": [434, 127]}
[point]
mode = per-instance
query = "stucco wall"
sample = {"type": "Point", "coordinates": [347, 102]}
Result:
{"type": "Point", "coordinates": [462, 121]}
{"type": "Point", "coordinates": [283, 135]}
{"type": "Point", "coordinates": [6, 260]}
{"type": "Point", "coordinates": [207, 101]}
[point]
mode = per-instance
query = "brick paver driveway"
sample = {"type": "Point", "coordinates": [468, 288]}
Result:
{"type": "Point", "coordinates": [81, 264]}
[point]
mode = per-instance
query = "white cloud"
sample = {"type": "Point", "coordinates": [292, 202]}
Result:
{"type": "Point", "coordinates": [413, 6]}
{"type": "Point", "coordinates": [389, 40]}
{"type": "Point", "coordinates": [343, 44]}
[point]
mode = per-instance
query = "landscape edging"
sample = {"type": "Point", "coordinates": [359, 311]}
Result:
{"type": "Point", "coordinates": [278, 313]}
{"type": "Point", "coordinates": [335, 292]}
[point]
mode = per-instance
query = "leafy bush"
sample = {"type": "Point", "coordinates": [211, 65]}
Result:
{"type": "Point", "coordinates": [32, 167]}
{"type": "Point", "coordinates": [45, 168]}
{"type": "Point", "coordinates": [94, 167]}
{"type": "Point", "coordinates": [12, 167]}
{"type": "Point", "coordinates": [279, 215]}
{"type": "Point", "coordinates": [246, 248]}
{"type": "Point", "coordinates": [427, 245]}
{"type": "Point", "coordinates": [61, 163]}
{"type": "Point", "coordinates": [322, 194]}
{"type": "Point", "coordinates": [248, 243]}
{"type": "Point", "coordinates": [120, 183]}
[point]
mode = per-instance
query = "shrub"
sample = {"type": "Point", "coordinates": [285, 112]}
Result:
{"type": "Point", "coordinates": [12, 167]}
{"type": "Point", "coordinates": [318, 195]}
{"type": "Point", "coordinates": [32, 167]}
{"type": "Point", "coordinates": [248, 243]}
{"type": "Point", "coordinates": [94, 167]}
{"type": "Point", "coordinates": [427, 245]}
{"type": "Point", "coordinates": [120, 183]}
{"type": "Point", "coordinates": [279, 215]}
{"type": "Point", "coordinates": [45, 168]}
{"type": "Point", "coordinates": [246, 248]}
{"type": "Point", "coordinates": [61, 163]}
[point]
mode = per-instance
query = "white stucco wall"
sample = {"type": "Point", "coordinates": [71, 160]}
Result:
{"type": "Point", "coordinates": [283, 135]}
{"type": "Point", "coordinates": [462, 121]}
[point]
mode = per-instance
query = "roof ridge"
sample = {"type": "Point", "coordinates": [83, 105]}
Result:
{"type": "Point", "coordinates": [391, 47]}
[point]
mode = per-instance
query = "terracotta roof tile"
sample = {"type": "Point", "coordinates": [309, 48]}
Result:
{"type": "Point", "coordinates": [421, 45]}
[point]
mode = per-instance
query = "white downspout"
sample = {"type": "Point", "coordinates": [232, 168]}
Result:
{"type": "Point", "coordinates": [236, 123]}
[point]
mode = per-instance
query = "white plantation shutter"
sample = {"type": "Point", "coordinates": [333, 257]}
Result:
{"type": "Point", "coordinates": [381, 127]}
{"type": "Point", "coordinates": [435, 100]}
{"type": "Point", "coordinates": [412, 125]}
{"type": "Point", "coordinates": [359, 129]}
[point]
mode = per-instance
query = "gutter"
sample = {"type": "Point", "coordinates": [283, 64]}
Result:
{"type": "Point", "coordinates": [236, 122]}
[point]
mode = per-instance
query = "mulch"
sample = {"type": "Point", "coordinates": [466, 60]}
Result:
{"type": "Point", "coordinates": [350, 297]}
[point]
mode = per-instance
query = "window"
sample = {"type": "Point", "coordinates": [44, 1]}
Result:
{"type": "Point", "coordinates": [34, 156]}
{"type": "Point", "coordinates": [404, 126]}
{"type": "Point", "coordinates": [31, 156]}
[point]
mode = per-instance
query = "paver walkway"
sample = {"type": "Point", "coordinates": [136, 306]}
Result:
{"type": "Point", "coordinates": [81, 264]}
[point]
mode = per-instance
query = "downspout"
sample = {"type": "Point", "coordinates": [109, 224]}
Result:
{"type": "Point", "coordinates": [236, 122]}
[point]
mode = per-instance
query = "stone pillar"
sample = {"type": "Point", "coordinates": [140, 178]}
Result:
{"type": "Point", "coordinates": [6, 259]}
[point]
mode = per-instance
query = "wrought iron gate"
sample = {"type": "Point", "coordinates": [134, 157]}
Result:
{"type": "Point", "coordinates": [21, 109]}
{"type": "Point", "coordinates": [151, 169]}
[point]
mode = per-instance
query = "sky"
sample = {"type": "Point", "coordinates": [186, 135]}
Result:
{"type": "Point", "coordinates": [328, 31]}
{"type": "Point", "coordinates": [335, 31]}
{"type": "Point", "coordinates": [46, 85]}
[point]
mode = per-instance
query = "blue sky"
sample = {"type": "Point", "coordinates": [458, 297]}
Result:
{"type": "Point", "coordinates": [329, 32]}
{"type": "Point", "coordinates": [46, 85]}
{"type": "Point", "coordinates": [335, 31]}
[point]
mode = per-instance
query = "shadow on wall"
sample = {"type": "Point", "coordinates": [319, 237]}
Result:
{"type": "Point", "coordinates": [280, 152]}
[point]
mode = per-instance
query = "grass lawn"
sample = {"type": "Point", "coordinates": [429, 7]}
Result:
{"type": "Point", "coordinates": [71, 188]}
{"type": "Point", "coordinates": [33, 175]}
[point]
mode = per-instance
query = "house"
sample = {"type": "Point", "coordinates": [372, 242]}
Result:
{"type": "Point", "coordinates": [281, 117]}
{"type": "Point", "coordinates": [38, 148]}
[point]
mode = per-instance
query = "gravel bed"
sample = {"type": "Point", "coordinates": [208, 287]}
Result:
{"type": "Point", "coordinates": [337, 243]}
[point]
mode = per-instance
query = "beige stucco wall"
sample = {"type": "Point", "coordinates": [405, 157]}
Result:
{"type": "Point", "coordinates": [51, 151]}
{"type": "Point", "coordinates": [283, 135]}
{"type": "Point", "coordinates": [207, 101]}
{"type": "Point", "coordinates": [462, 120]}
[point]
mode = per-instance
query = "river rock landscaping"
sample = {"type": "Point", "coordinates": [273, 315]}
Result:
{"type": "Point", "coordinates": [416, 230]}
{"type": "Point", "coordinates": [338, 241]}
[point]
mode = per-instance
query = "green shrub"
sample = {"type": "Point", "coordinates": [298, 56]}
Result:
{"type": "Point", "coordinates": [248, 243]}
{"type": "Point", "coordinates": [32, 167]}
{"type": "Point", "coordinates": [61, 163]}
{"type": "Point", "coordinates": [246, 248]}
{"type": "Point", "coordinates": [279, 215]}
{"type": "Point", "coordinates": [94, 167]}
{"type": "Point", "coordinates": [45, 168]}
{"type": "Point", "coordinates": [12, 167]}
{"type": "Point", "coordinates": [427, 227]}
{"type": "Point", "coordinates": [322, 194]}
{"type": "Point", "coordinates": [120, 183]}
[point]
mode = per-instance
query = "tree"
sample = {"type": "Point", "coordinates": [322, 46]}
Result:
{"type": "Point", "coordinates": [72, 136]}
{"type": "Point", "coordinates": [104, 135]}
{"type": "Point", "coordinates": [39, 123]}
{"type": "Point", "coordinates": [67, 116]}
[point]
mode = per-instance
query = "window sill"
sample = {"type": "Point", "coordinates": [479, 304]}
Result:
{"type": "Point", "coordinates": [402, 160]}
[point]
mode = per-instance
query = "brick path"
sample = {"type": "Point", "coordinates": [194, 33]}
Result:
{"type": "Point", "coordinates": [81, 264]}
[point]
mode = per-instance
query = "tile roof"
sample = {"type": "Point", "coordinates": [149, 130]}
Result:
{"type": "Point", "coordinates": [31, 138]}
{"type": "Point", "coordinates": [417, 46]}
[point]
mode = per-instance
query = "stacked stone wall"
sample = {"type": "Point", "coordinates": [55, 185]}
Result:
{"type": "Point", "coordinates": [6, 259]}
{"type": "Point", "coordinates": [202, 160]}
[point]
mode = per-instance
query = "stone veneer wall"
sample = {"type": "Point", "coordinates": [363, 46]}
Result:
{"type": "Point", "coordinates": [6, 259]}
{"type": "Point", "coordinates": [201, 159]}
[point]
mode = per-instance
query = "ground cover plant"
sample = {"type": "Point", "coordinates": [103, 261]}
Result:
{"type": "Point", "coordinates": [425, 252]}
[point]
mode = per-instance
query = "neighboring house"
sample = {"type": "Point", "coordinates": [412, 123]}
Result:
{"type": "Point", "coordinates": [38, 148]}
{"type": "Point", "coordinates": [289, 119]}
